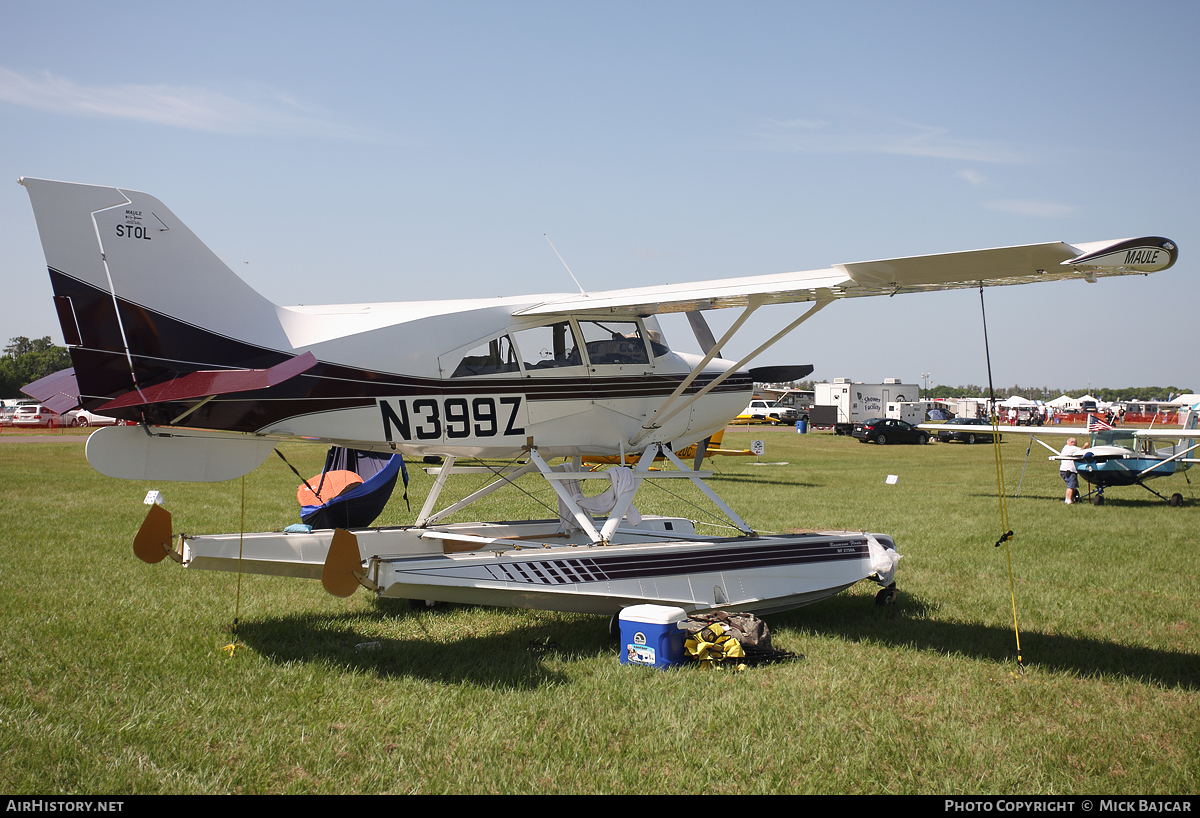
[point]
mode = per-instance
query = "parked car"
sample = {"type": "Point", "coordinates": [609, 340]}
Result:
{"type": "Point", "coordinates": [6, 415]}
{"type": "Point", "coordinates": [765, 411]}
{"type": "Point", "coordinates": [887, 430]}
{"type": "Point", "coordinates": [34, 414]}
{"type": "Point", "coordinates": [82, 417]}
{"type": "Point", "coordinates": [984, 435]}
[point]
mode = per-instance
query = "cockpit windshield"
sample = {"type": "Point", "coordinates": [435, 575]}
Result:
{"type": "Point", "coordinates": [1113, 437]}
{"type": "Point", "coordinates": [654, 334]}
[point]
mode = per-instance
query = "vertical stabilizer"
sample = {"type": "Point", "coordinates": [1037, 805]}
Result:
{"type": "Point", "coordinates": [1190, 417]}
{"type": "Point", "coordinates": [130, 244]}
{"type": "Point", "coordinates": [139, 296]}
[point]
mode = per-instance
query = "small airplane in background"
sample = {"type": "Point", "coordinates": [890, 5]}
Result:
{"type": "Point", "coordinates": [1116, 456]}
{"type": "Point", "coordinates": [162, 333]}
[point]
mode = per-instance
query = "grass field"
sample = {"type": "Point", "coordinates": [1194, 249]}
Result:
{"type": "Point", "coordinates": [113, 678]}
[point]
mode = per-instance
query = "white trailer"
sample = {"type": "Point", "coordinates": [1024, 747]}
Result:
{"type": "Point", "coordinates": [918, 411]}
{"type": "Point", "coordinates": [844, 403]}
{"type": "Point", "coordinates": [913, 413]}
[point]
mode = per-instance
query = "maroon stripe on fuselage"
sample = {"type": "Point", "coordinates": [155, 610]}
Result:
{"type": "Point", "coordinates": [163, 347]}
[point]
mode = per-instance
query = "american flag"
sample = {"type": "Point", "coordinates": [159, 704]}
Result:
{"type": "Point", "coordinates": [1095, 424]}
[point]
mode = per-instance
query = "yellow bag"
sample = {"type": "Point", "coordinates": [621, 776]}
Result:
{"type": "Point", "coordinates": [713, 645]}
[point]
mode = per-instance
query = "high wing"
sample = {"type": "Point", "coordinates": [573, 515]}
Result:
{"type": "Point", "coordinates": [1021, 264]}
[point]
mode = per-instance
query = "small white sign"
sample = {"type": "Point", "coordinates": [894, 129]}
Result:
{"type": "Point", "coordinates": [758, 447]}
{"type": "Point", "coordinates": [153, 497]}
{"type": "Point", "coordinates": [893, 479]}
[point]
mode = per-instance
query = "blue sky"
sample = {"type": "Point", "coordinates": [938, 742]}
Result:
{"type": "Point", "coordinates": [395, 151]}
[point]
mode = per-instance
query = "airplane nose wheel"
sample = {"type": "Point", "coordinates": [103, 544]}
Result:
{"type": "Point", "coordinates": [1176, 499]}
{"type": "Point", "coordinates": [886, 597]}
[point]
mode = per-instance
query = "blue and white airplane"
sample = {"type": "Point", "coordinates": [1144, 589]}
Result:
{"type": "Point", "coordinates": [1117, 456]}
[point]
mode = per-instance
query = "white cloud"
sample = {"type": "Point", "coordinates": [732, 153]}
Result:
{"type": "Point", "coordinates": [258, 111]}
{"type": "Point", "coordinates": [975, 178]}
{"type": "Point", "coordinates": [868, 134]}
{"type": "Point", "coordinates": [1031, 207]}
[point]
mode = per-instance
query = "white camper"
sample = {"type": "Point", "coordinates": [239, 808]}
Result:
{"type": "Point", "coordinates": [843, 403]}
{"type": "Point", "coordinates": [918, 411]}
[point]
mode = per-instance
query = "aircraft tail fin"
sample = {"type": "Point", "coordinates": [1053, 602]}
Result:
{"type": "Point", "coordinates": [139, 297]}
{"type": "Point", "coordinates": [1190, 417]}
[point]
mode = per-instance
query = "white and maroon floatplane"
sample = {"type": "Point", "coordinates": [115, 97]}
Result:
{"type": "Point", "coordinates": [164, 335]}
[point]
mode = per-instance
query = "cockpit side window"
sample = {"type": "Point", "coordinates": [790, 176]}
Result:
{"type": "Point", "coordinates": [548, 347]}
{"type": "Point", "coordinates": [613, 342]}
{"type": "Point", "coordinates": [490, 357]}
{"type": "Point", "coordinates": [1168, 448]}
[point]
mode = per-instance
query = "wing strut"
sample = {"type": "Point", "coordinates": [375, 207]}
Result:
{"type": "Point", "coordinates": [755, 302]}
{"type": "Point", "coordinates": [661, 416]}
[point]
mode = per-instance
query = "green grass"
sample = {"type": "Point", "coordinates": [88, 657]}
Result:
{"type": "Point", "coordinates": [113, 678]}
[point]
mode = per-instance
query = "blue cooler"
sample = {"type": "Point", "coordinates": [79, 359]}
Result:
{"type": "Point", "coordinates": [802, 427]}
{"type": "Point", "coordinates": [651, 636]}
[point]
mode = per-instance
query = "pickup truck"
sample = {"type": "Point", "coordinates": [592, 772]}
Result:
{"type": "Point", "coordinates": [764, 411]}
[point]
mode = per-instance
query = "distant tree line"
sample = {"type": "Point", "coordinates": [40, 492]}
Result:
{"type": "Point", "coordinates": [1129, 393]}
{"type": "Point", "coordinates": [1044, 393]}
{"type": "Point", "coordinates": [26, 360]}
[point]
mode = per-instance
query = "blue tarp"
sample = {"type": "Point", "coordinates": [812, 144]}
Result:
{"type": "Point", "coordinates": [360, 506]}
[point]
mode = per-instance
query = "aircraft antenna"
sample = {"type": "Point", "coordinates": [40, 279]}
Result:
{"type": "Point", "coordinates": [560, 258]}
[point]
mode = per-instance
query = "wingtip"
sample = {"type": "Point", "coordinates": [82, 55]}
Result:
{"type": "Point", "coordinates": [1146, 254]}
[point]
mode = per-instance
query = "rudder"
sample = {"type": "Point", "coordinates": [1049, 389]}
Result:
{"type": "Point", "coordinates": [139, 296]}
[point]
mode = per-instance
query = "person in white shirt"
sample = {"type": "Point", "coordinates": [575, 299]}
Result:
{"type": "Point", "coordinates": [1067, 471]}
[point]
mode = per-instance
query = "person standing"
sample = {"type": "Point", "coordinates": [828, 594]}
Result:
{"type": "Point", "coordinates": [1067, 470]}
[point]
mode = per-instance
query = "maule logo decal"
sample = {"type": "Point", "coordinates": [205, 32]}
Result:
{"type": "Point", "coordinates": [1144, 255]}
{"type": "Point", "coordinates": [133, 227]}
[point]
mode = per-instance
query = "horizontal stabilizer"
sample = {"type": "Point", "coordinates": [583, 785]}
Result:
{"type": "Point", "coordinates": [780, 374]}
{"type": "Point", "coordinates": [131, 453]}
{"type": "Point", "coordinates": [214, 382]}
{"type": "Point", "coordinates": [58, 392]}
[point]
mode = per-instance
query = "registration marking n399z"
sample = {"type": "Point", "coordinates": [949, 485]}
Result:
{"type": "Point", "coordinates": [430, 418]}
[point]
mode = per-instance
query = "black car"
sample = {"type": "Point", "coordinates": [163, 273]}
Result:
{"type": "Point", "coordinates": [886, 430]}
{"type": "Point", "coordinates": [984, 435]}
